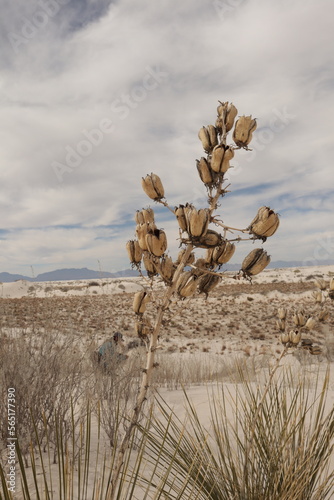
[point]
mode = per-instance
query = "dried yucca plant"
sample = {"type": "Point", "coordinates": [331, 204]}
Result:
{"type": "Point", "coordinates": [198, 229]}
{"type": "Point", "coordinates": [293, 327]}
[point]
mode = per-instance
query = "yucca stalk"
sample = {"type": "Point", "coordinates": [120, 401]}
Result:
{"type": "Point", "coordinates": [148, 370]}
{"type": "Point", "coordinates": [289, 457]}
{"type": "Point", "coordinates": [147, 376]}
{"type": "Point", "coordinates": [194, 233]}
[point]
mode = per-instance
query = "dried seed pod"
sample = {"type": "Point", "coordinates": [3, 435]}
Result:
{"type": "Point", "coordinates": [320, 283]}
{"type": "Point", "coordinates": [142, 329]}
{"type": "Point", "coordinates": [156, 242]}
{"type": "Point", "coordinates": [306, 343]}
{"type": "Point", "coordinates": [186, 284]}
{"type": "Point", "coordinates": [148, 260]}
{"type": "Point", "coordinates": [139, 302]}
{"type": "Point", "coordinates": [265, 223]}
{"type": "Point", "coordinates": [243, 131]}
{"type": "Point", "coordinates": [167, 269]}
{"type": "Point", "coordinates": [212, 135]}
{"type": "Point", "coordinates": [181, 213]}
{"type": "Point", "coordinates": [221, 156]}
{"type": "Point", "coordinates": [331, 284]}
{"type": "Point", "coordinates": [135, 253]}
{"type": "Point", "coordinates": [208, 137]}
{"type": "Point", "coordinates": [210, 240]}
{"type": "Point", "coordinates": [189, 288]}
{"type": "Point", "coordinates": [190, 260]}
{"type": "Point", "coordinates": [281, 313]}
{"type": "Point", "coordinates": [141, 235]}
{"type": "Point", "coordinates": [153, 187]}
{"type": "Point", "coordinates": [223, 253]}
{"type": "Point", "coordinates": [201, 263]}
{"type": "Point", "coordinates": [209, 257]}
{"type": "Point", "coordinates": [323, 315]}
{"type": "Point", "coordinates": [318, 297]}
{"type": "Point", "coordinates": [295, 336]}
{"type": "Point", "coordinates": [285, 338]}
{"type": "Point", "coordinates": [280, 323]}
{"type": "Point", "coordinates": [188, 209]}
{"type": "Point", "coordinates": [139, 218]}
{"type": "Point", "coordinates": [148, 215]}
{"type": "Point", "coordinates": [141, 232]}
{"type": "Point", "coordinates": [310, 323]}
{"type": "Point", "coordinates": [198, 221]}
{"type": "Point", "coordinates": [230, 114]}
{"type": "Point", "coordinates": [299, 318]}
{"type": "Point", "coordinates": [315, 350]}
{"type": "Point", "coordinates": [255, 262]}
{"type": "Point", "coordinates": [204, 137]}
{"type": "Point", "coordinates": [205, 171]}
{"type": "Point", "coordinates": [181, 217]}
{"type": "Point", "coordinates": [207, 283]}
{"type": "Point", "coordinates": [200, 267]}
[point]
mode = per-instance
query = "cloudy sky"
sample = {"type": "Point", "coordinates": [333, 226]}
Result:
{"type": "Point", "coordinates": [95, 94]}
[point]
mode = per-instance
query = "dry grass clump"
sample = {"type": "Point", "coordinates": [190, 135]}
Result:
{"type": "Point", "coordinates": [48, 374]}
{"type": "Point", "coordinates": [191, 369]}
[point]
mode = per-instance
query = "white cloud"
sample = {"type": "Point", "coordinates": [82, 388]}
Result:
{"type": "Point", "coordinates": [137, 81]}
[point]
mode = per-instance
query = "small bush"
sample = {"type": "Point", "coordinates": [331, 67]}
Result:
{"type": "Point", "coordinates": [93, 283]}
{"type": "Point", "coordinates": [48, 375]}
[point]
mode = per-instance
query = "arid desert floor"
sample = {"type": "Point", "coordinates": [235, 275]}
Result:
{"type": "Point", "coordinates": [238, 317]}
{"type": "Point", "coordinates": [200, 338]}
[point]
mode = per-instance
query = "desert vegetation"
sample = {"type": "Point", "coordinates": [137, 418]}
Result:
{"type": "Point", "coordinates": [261, 348]}
{"type": "Point", "coordinates": [56, 336]}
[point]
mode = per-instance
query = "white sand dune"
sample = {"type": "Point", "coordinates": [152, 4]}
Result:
{"type": "Point", "coordinates": [22, 288]}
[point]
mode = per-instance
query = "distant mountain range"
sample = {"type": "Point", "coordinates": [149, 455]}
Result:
{"type": "Point", "coordinates": [68, 275]}
{"type": "Point", "coordinates": [86, 274]}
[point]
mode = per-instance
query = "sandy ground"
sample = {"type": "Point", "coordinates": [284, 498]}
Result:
{"type": "Point", "coordinates": [238, 320]}
{"type": "Point", "coordinates": [237, 316]}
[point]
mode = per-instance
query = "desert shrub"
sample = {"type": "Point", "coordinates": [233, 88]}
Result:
{"type": "Point", "coordinates": [48, 375]}
{"type": "Point", "coordinates": [93, 283]}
